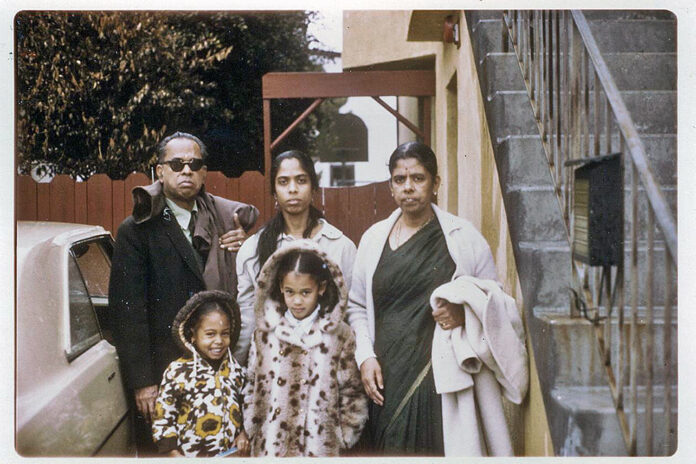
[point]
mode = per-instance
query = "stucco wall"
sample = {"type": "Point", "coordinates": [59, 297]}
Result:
{"type": "Point", "coordinates": [378, 37]}
{"type": "Point", "coordinates": [470, 186]}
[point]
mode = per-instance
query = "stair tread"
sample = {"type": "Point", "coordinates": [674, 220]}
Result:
{"type": "Point", "coordinates": [597, 399]}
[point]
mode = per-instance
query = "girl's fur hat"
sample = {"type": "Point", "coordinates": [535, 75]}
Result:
{"type": "Point", "coordinates": [223, 299]}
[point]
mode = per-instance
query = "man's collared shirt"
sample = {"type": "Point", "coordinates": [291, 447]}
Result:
{"type": "Point", "coordinates": [183, 217]}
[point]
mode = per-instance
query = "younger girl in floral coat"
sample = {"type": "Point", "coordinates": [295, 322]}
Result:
{"type": "Point", "coordinates": [303, 396]}
{"type": "Point", "coordinates": [198, 409]}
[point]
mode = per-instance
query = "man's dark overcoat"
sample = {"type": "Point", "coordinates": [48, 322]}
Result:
{"type": "Point", "coordinates": [154, 272]}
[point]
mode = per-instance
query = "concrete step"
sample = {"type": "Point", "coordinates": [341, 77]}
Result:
{"type": "Point", "coordinates": [576, 360]}
{"type": "Point", "coordinates": [535, 213]}
{"type": "Point", "coordinates": [488, 37]}
{"type": "Point", "coordinates": [631, 71]}
{"type": "Point", "coordinates": [478, 15]}
{"type": "Point", "coordinates": [653, 112]}
{"type": "Point", "coordinates": [643, 71]}
{"type": "Point", "coordinates": [627, 14]}
{"type": "Point", "coordinates": [588, 419]}
{"type": "Point", "coordinates": [635, 35]}
{"type": "Point", "coordinates": [548, 263]}
{"type": "Point", "coordinates": [523, 162]}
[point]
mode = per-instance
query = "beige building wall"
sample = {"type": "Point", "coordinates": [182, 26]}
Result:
{"type": "Point", "coordinates": [470, 186]}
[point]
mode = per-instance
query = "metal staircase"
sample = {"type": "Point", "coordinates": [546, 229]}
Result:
{"type": "Point", "coordinates": [606, 384]}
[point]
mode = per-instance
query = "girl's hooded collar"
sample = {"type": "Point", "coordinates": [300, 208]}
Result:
{"type": "Point", "coordinates": [191, 306]}
{"type": "Point", "coordinates": [269, 312]}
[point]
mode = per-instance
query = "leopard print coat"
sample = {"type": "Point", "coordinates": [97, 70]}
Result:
{"type": "Point", "coordinates": [302, 399]}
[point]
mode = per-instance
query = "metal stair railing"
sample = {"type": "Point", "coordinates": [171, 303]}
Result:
{"type": "Point", "coordinates": [579, 110]}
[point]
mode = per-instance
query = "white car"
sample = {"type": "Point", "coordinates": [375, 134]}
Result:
{"type": "Point", "coordinates": [70, 399]}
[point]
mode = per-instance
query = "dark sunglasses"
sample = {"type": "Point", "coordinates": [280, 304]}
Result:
{"type": "Point", "coordinates": [177, 164]}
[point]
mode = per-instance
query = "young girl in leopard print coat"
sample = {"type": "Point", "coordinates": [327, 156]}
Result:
{"type": "Point", "coordinates": [303, 395]}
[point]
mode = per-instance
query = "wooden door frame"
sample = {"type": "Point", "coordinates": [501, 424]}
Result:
{"type": "Point", "coordinates": [319, 86]}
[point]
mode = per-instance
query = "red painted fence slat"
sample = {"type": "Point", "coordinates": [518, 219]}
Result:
{"type": "Point", "coordinates": [25, 198]}
{"type": "Point", "coordinates": [216, 184]}
{"type": "Point", "coordinates": [232, 188]}
{"type": "Point", "coordinates": [99, 201]}
{"type": "Point", "coordinates": [118, 202]}
{"type": "Point", "coordinates": [251, 191]}
{"type": "Point", "coordinates": [62, 199]}
{"type": "Point", "coordinates": [81, 202]}
{"type": "Point", "coordinates": [384, 203]}
{"type": "Point", "coordinates": [43, 204]}
{"type": "Point", "coordinates": [362, 210]}
{"type": "Point", "coordinates": [339, 209]}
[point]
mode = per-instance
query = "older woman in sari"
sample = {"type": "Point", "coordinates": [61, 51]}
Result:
{"type": "Point", "coordinates": [400, 262]}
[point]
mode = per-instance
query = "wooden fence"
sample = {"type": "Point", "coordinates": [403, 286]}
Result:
{"type": "Point", "coordinates": [105, 202]}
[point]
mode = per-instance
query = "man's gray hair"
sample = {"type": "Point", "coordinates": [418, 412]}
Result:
{"type": "Point", "coordinates": [180, 135]}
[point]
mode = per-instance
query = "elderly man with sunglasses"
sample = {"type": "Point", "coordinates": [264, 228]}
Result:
{"type": "Point", "coordinates": [178, 241]}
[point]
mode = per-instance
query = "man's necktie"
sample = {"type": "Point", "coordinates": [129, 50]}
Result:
{"type": "Point", "coordinates": [201, 255]}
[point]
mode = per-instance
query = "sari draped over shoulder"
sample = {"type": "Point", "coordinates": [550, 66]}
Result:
{"type": "Point", "coordinates": [410, 422]}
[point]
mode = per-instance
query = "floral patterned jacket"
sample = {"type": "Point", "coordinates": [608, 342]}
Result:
{"type": "Point", "coordinates": [198, 410]}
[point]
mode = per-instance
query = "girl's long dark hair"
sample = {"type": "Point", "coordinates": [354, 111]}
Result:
{"type": "Point", "coordinates": [268, 239]}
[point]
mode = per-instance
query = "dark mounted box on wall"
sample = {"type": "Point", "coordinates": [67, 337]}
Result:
{"type": "Point", "coordinates": [598, 210]}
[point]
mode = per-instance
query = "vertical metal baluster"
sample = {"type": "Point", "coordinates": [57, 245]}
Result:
{"type": "Point", "coordinates": [574, 110]}
{"type": "Point", "coordinates": [597, 130]}
{"type": "Point", "coordinates": [559, 87]}
{"type": "Point", "coordinates": [548, 60]}
{"type": "Point", "coordinates": [540, 77]}
{"type": "Point", "coordinates": [543, 76]}
{"type": "Point", "coordinates": [533, 60]}
{"type": "Point", "coordinates": [621, 361]}
{"type": "Point", "coordinates": [634, 310]}
{"type": "Point", "coordinates": [537, 64]}
{"type": "Point", "coordinates": [527, 46]}
{"type": "Point", "coordinates": [623, 345]}
{"type": "Point", "coordinates": [596, 289]}
{"type": "Point", "coordinates": [620, 275]}
{"type": "Point", "coordinates": [581, 100]}
{"type": "Point", "coordinates": [607, 322]}
{"type": "Point", "coordinates": [504, 38]}
{"type": "Point", "coordinates": [650, 331]}
{"type": "Point", "coordinates": [566, 104]}
{"type": "Point", "coordinates": [586, 104]}
{"type": "Point", "coordinates": [520, 34]}
{"type": "Point", "coordinates": [523, 44]}
{"type": "Point", "coordinates": [608, 118]}
{"type": "Point", "coordinates": [667, 341]}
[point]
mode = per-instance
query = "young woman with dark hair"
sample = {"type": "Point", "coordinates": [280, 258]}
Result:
{"type": "Point", "coordinates": [293, 182]}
